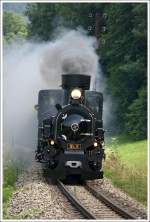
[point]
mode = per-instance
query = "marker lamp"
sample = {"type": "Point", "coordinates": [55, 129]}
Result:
{"type": "Point", "coordinates": [76, 94]}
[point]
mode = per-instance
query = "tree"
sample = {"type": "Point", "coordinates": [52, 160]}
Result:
{"type": "Point", "coordinates": [136, 117]}
{"type": "Point", "coordinates": [41, 17]}
{"type": "Point", "coordinates": [124, 56]}
{"type": "Point", "coordinates": [45, 18]}
{"type": "Point", "coordinates": [14, 26]}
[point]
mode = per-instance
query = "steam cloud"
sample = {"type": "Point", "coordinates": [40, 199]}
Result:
{"type": "Point", "coordinates": [73, 53]}
{"type": "Point", "coordinates": [31, 67]}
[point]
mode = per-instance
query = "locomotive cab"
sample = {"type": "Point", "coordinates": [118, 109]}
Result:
{"type": "Point", "coordinates": [70, 129]}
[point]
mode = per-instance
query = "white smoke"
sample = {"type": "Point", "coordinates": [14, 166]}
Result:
{"type": "Point", "coordinates": [74, 53]}
{"type": "Point", "coordinates": [30, 67]}
{"type": "Point", "coordinates": [22, 82]}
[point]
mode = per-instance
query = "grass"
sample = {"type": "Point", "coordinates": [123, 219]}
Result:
{"type": "Point", "coordinates": [13, 165]}
{"type": "Point", "coordinates": [126, 166]}
{"type": "Point", "coordinates": [10, 175]}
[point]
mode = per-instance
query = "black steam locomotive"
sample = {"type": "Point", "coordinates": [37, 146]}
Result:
{"type": "Point", "coordinates": [70, 129]}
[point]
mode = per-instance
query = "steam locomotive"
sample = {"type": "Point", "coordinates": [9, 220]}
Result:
{"type": "Point", "coordinates": [70, 129]}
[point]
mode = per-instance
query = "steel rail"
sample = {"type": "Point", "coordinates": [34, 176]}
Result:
{"type": "Point", "coordinates": [75, 202]}
{"type": "Point", "coordinates": [122, 212]}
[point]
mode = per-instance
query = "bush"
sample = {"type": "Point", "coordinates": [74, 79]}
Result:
{"type": "Point", "coordinates": [14, 27]}
{"type": "Point", "coordinates": [136, 117]}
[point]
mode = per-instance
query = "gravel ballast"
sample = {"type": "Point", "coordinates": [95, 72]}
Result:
{"type": "Point", "coordinates": [119, 197]}
{"type": "Point", "coordinates": [36, 199]}
{"type": "Point", "coordinates": [96, 207]}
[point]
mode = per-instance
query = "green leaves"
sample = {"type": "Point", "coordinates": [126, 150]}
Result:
{"type": "Point", "coordinates": [124, 55]}
{"type": "Point", "coordinates": [42, 20]}
{"type": "Point", "coordinates": [14, 26]}
{"type": "Point", "coordinates": [45, 18]}
{"type": "Point", "coordinates": [136, 116]}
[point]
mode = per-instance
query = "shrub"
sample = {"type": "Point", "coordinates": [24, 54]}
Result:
{"type": "Point", "coordinates": [136, 117]}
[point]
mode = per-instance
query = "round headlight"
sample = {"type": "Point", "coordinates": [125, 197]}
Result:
{"type": "Point", "coordinates": [76, 94]}
{"type": "Point", "coordinates": [52, 142]}
{"type": "Point", "coordinates": [95, 144]}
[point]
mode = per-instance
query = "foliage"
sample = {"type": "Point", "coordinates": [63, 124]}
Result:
{"type": "Point", "coordinates": [10, 177]}
{"type": "Point", "coordinates": [123, 168]}
{"type": "Point", "coordinates": [124, 55]}
{"type": "Point", "coordinates": [45, 18]}
{"type": "Point", "coordinates": [41, 18]}
{"type": "Point", "coordinates": [137, 116]}
{"type": "Point", "coordinates": [14, 27]}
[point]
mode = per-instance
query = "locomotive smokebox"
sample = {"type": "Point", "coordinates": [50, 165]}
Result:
{"type": "Point", "coordinates": [76, 81]}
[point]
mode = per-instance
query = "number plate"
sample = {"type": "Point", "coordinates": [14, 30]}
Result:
{"type": "Point", "coordinates": [73, 146]}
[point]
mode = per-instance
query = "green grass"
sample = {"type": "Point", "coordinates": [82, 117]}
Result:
{"type": "Point", "coordinates": [10, 174]}
{"type": "Point", "coordinates": [10, 177]}
{"type": "Point", "coordinates": [126, 166]}
{"type": "Point", "coordinates": [135, 155]}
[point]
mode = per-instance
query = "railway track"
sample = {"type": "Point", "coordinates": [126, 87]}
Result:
{"type": "Point", "coordinates": [122, 212]}
{"type": "Point", "coordinates": [86, 214]}
{"type": "Point", "coordinates": [91, 204]}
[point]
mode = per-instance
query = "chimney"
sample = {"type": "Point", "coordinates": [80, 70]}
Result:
{"type": "Point", "coordinates": [70, 81]}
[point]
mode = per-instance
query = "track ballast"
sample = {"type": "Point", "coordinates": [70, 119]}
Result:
{"type": "Point", "coordinates": [91, 204]}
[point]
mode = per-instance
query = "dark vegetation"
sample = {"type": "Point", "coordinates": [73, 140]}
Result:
{"type": "Point", "coordinates": [125, 57]}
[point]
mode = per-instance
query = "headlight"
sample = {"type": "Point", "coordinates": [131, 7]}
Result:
{"type": "Point", "coordinates": [95, 144]}
{"type": "Point", "coordinates": [76, 94]}
{"type": "Point", "coordinates": [52, 142]}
